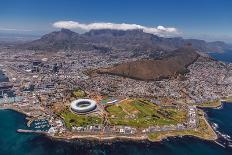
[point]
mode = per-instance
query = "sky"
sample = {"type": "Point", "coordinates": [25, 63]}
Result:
{"type": "Point", "coordinates": [202, 19]}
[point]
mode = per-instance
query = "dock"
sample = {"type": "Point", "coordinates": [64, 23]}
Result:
{"type": "Point", "coordinates": [29, 131]}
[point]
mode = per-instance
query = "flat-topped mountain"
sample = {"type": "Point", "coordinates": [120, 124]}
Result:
{"type": "Point", "coordinates": [58, 40]}
{"type": "Point", "coordinates": [150, 69]}
{"type": "Point", "coordinates": [107, 40]}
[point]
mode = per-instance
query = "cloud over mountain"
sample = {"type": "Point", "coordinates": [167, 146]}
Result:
{"type": "Point", "coordinates": [159, 30]}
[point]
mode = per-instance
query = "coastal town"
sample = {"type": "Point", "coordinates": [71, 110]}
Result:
{"type": "Point", "coordinates": [43, 85]}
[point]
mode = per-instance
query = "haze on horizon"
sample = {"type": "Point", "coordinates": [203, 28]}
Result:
{"type": "Point", "coordinates": [209, 19]}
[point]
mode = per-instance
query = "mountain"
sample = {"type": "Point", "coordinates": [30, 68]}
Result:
{"type": "Point", "coordinates": [219, 46]}
{"type": "Point", "coordinates": [59, 40]}
{"type": "Point", "coordinates": [149, 69]}
{"type": "Point", "coordinates": [135, 41]}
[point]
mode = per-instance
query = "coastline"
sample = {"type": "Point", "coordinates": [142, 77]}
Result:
{"type": "Point", "coordinates": [143, 137]}
{"type": "Point", "coordinates": [16, 110]}
{"type": "Point", "coordinates": [212, 104]}
{"type": "Point", "coordinates": [102, 138]}
{"type": "Point", "coordinates": [217, 104]}
{"type": "Point", "coordinates": [114, 138]}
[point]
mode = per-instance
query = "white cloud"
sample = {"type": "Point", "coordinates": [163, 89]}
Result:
{"type": "Point", "coordinates": [159, 30]}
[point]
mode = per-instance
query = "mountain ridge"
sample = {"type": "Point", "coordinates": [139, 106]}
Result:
{"type": "Point", "coordinates": [107, 39]}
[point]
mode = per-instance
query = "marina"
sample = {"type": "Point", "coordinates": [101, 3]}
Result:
{"type": "Point", "coordinates": [39, 125]}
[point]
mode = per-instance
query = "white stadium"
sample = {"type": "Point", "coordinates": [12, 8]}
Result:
{"type": "Point", "coordinates": [83, 105]}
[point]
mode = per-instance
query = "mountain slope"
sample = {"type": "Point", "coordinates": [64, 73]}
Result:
{"type": "Point", "coordinates": [150, 69]}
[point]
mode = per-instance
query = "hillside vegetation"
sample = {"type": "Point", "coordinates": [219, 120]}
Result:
{"type": "Point", "coordinates": [150, 69]}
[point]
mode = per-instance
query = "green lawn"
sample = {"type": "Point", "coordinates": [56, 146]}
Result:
{"type": "Point", "coordinates": [72, 119]}
{"type": "Point", "coordinates": [141, 113]}
{"type": "Point", "coordinates": [116, 111]}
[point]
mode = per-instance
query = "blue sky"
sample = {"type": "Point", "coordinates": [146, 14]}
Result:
{"type": "Point", "coordinates": [206, 19]}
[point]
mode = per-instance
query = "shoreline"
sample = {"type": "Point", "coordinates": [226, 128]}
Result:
{"type": "Point", "coordinates": [110, 138]}
{"type": "Point", "coordinates": [114, 138]}
{"type": "Point", "coordinates": [217, 104]}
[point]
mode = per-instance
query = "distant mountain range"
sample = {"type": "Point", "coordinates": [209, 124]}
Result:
{"type": "Point", "coordinates": [106, 40]}
{"type": "Point", "coordinates": [14, 37]}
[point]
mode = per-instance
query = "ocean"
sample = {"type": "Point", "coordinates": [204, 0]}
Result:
{"type": "Point", "coordinates": [226, 56]}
